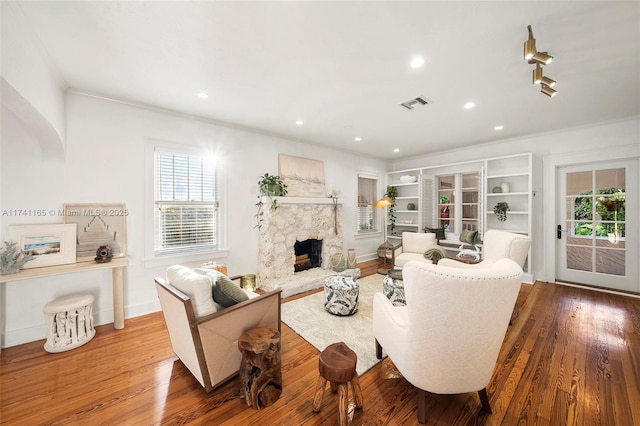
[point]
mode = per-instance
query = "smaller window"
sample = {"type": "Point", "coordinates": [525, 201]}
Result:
{"type": "Point", "coordinates": [185, 203]}
{"type": "Point", "coordinates": [367, 221]}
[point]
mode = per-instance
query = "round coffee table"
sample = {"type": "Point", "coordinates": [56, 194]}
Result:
{"type": "Point", "coordinates": [393, 287]}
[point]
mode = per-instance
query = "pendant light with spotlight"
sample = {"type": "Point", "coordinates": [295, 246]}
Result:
{"type": "Point", "coordinates": [532, 56]}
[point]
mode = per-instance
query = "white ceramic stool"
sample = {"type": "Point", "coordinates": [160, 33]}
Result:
{"type": "Point", "coordinates": [69, 322]}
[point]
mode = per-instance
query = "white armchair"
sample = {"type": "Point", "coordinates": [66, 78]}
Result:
{"type": "Point", "coordinates": [497, 245]}
{"type": "Point", "coordinates": [413, 246]}
{"type": "Point", "coordinates": [447, 338]}
{"type": "Point", "coordinates": [207, 344]}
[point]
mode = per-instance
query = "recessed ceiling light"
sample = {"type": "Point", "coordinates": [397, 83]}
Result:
{"type": "Point", "coordinates": [358, 139]}
{"type": "Point", "coordinates": [299, 122]}
{"type": "Point", "coordinates": [396, 150]}
{"type": "Point", "coordinates": [498, 128]}
{"type": "Point", "coordinates": [417, 62]}
{"type": "Point", "coordinates": [469, 105]}
{"type": "Point", "coordinates": [203, 95]}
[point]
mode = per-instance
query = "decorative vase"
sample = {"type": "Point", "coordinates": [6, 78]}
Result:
{"type": "Point", "coordinates": [411, 206]}
{"type": "Point", "coordinates": [504, 186]}
{"type": "Point", "coordinates": [338, 262]}
{"type": "Point", "coordinates": [351, 259]}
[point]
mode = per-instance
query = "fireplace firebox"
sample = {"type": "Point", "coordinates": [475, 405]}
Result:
{"type": "Point", "coordinates": [308, 254]}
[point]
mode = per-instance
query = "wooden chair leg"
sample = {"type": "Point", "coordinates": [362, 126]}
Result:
{"type": "Point", "coordinates": [378, 350]}
{"type": "Point", "coordinates": [317, 399]}
{"type": "Point", "coordinates": [343, 404]}
{"type": "Point", "coordinates": [422, 406]}
{"type": "Point", "coordinates": [484, 399]}
{"type": "Point", "coordinates": [333, 386]}
{"type": "Point", "coordinates": [357, 391]}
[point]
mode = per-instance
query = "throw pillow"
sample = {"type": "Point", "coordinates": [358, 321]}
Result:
{"type": "Point", "coordinates": [225, 292]}
{"type": "Point", "coordinates": [468, 237]}
{"type": "Point", "coordinates": [194, 285]}
{"type": "Point", "coordinates": [436, 253]}
{"type": "Point", "coordinates": [438, 231]}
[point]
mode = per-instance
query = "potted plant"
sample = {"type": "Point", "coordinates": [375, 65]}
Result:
{"type": "Point", "coordinates": [269, 186]}
{"type": "Point", "coordinates": [500, 210]}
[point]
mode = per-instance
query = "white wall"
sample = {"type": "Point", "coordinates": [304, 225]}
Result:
{"type": "Point", "coordinates": [32, 86]}
{"type": "Point", "coordinates": [582, 139]}
{"type": "Point", "coordinates": [105, 162]}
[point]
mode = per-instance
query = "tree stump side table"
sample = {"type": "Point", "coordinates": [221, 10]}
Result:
{"type": "Point", "coordinates": [260, 368]}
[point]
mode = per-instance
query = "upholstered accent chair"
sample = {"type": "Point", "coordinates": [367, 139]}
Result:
{"type": "Point", "coordinates": [413, 246]}
{"type": "Point", "coordinates": [497, 245]}
{"type": "Point", "coordinates": [447, 338]}
{"type": "Point", "coordinates": [206, 340]}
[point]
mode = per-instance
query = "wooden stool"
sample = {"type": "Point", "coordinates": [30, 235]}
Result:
{"type": "Point", "coordinates": [337, 364]}
{"type": "Point", "coordinates": [260, 368]}
{"type": "Point", "coordinates": [69, 322]}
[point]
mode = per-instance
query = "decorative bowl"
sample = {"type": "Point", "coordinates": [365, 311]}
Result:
{"type": "Point", "coordinates": [408, 179]}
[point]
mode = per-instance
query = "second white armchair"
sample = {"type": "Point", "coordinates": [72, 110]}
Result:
{"type": "Point", "coordinates": [447, 338]}
{"type": "Point", "coordinates": [413, 246]}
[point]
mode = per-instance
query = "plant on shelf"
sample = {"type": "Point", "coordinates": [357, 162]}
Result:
{"type": "Point", "coordinates": [500, 210]}
{"type": "Point", "coordinates": [269, 186]}
{"type": "Point", "coordinates": [392, 192]}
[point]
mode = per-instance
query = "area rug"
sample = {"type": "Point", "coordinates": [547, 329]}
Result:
{"type": "Point", "coordinates": [307, 317]}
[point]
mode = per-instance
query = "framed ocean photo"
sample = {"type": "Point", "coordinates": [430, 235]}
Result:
{"type": "Point", "coordinates": [50, 245]}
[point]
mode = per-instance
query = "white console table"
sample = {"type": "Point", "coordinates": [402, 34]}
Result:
{"type": "Point", "coordinates": [116, 265]}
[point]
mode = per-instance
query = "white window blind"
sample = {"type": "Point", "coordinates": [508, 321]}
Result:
{"type": "Point", "coordinates": [367, 217]}
{"type": "Point", "coordinates": [185, 203]}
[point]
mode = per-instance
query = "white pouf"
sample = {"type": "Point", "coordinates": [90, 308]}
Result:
{"type": "Point", "coordinates": [69, 322]}
{"type": "Point", "coordinates": [341, 295]}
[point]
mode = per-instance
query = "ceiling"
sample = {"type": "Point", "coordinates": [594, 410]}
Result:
{"type": "Point", "coordinates": [343, 67]}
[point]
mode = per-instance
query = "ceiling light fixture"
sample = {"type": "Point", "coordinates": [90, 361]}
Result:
{"type": "Point", "coordinates": [537, 74]}
{"type": "Point", "coordinates": [532, 56]}
{"type": "Point", "coordinates": [548, 81]}
{"type": "Point", "coordinates": [548, 91]}
{"type": "Point", "coordinates": [203, 95]}
{"type": "Point", "coordinates": [529, 45]}
{"type": "Point", "coordinates": [417, 62]}
{"type": "Point", "coordinates": [358, 139]}
{"type": "Point", "coordinates": [396, 150]}
{"type": "Point", "coordinates": [299, 122]}
{"type": "Point", "coordinates": [469, 105]}
{"type": "Point", "coordinates": [498, 128]}
{"type": "Point", "coordinates": [542, 58]}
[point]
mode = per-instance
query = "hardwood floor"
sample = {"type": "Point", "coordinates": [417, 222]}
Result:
{"type": "Point", "coordinates": [572, 356]}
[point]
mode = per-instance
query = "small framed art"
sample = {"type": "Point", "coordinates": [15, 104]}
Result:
{"type": "Point", "coordinates": [50, 245]}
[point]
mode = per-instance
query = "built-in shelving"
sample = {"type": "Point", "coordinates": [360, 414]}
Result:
{"type": "Point", "coordinates": [509, 176]}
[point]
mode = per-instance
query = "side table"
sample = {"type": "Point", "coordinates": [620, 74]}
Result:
{"type": "Point", "coordinates": [261, 367]}
{"type": "Point", "coordinates": [393, 287]}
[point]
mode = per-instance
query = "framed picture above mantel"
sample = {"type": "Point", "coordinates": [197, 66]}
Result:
{"type": "Point", "coordinates": [304, 177]}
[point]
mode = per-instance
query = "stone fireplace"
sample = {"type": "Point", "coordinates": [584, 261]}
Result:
{"type": "Point", "coordinates": [296, 220]}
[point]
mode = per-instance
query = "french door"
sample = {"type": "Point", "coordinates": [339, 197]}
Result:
{"type": "Point", "coordinates": [597, 225]}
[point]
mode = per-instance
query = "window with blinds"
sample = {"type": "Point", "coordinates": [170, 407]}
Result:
{"type": "Point", "coordinates": [185, 203]}
{"type": "Point", "coordinates": [366, 211]}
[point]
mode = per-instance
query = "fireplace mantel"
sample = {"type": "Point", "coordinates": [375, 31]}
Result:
{"type": "Point", "coordinates": [301, 200]}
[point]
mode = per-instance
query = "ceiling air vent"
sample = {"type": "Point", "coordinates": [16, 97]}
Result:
{"type": "Point", "coordinates": [412, 103]}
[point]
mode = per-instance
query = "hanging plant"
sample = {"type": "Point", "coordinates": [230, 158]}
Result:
{"type": "Point", "coordinates": [392, 192]}
{"type": "Point", "coordinates": [500, 210]}
{"type": "Point", "coordinates": [269, 186]}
